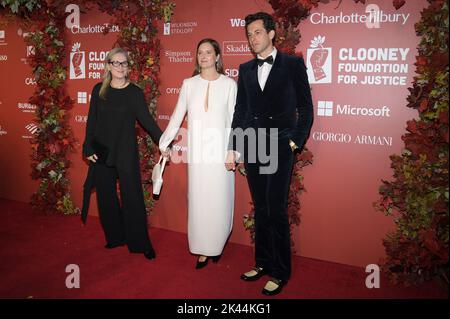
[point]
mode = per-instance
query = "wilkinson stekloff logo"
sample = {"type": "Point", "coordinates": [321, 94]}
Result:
{"type": "Point", "coordinates": [77, 62]}
{"type": "Point", "coordinates": [319, 61]}
{"type": "Point", "coordinates": [171, 28]}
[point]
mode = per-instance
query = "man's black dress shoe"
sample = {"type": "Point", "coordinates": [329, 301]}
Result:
{"type": "Point", "coordinates": [111, 246]}
{"type": "Point", "coordinates": [150, 254]}
{"type": "Point", "coordinates": [280, 283]}
{"type": "Point", "coordinates": [259, 273]}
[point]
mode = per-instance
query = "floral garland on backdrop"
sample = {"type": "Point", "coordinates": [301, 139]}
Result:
{"type": "Point", "coordinates": [54, 139]}
{"type": "Point", "coordinates": [419, 194]}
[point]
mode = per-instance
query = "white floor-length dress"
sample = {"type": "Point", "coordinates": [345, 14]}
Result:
{"type": "Point", "coordinates": [210, 108]}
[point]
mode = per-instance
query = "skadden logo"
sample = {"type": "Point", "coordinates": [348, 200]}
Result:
{"type": "Point", "coordinates": [326, 108]}
{"type": "Point", "coordinates": [373, 18]}
{"type": "Point", "coordinates": [77, 63]}
{"type": "Point", "coordinates": [237, 22]}
{"type": "Point", "coordinates": [3, 131]}
{"type": "Point", "coordinates": [73, 23]}
{"type": "Point", "coordinates": [171, 28]}
{"type": "Point", "coordinates": [26, 107]}
{"type": "Point", "coordinates": [319, 62]}
{"type": "Point", "coordinates": [236, 48]}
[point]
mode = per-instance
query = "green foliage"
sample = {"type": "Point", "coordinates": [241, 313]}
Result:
{"type": "Point", "coordinates": [17, 5]}
{"type": "Point", "coordinates": [418, 197]}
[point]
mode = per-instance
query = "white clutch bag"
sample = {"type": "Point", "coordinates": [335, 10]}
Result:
{"type": "Point", "coordinates": [157, 175]}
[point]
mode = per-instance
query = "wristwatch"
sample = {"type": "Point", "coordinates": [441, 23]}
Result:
{"type": "Point", "coordinates": [292, 145]}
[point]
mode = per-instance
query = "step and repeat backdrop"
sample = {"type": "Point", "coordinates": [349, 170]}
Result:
{"type": "Point", "coordinates": [360, 61]}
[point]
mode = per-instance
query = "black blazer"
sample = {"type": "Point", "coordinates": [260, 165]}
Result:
{"type": "Point", "coordinates": [286, 92]}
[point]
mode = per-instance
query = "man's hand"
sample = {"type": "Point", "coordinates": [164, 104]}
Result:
{"type": "Point", "coordinates": [230, 161]}
{"type": "Point", "coordinates": [92, 158]}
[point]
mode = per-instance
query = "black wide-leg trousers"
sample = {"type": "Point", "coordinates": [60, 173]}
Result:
{"type": "Point", "coordinates": [124, 221]}
{"type": "Point", "coordinates": [270, 199]}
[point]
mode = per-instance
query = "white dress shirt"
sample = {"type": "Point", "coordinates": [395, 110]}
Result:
{"type": "Point", "coordinates": [264, 70]}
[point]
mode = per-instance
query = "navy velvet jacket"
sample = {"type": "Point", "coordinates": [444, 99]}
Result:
{"type": "Point", "coordinates": [286, 94]}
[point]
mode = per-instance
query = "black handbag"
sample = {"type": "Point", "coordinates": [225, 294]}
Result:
{"type": "Point", "coordinates": [101, 151]}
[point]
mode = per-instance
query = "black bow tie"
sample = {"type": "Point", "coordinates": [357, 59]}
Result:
{"type": "Point", "coordinates": [269, 60]}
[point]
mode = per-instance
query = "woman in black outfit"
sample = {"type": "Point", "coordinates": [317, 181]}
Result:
{"type": "Point", "coordinates": [111, 147]}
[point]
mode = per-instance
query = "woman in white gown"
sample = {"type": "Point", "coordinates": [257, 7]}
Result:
{"type": "Point", "coordinates": [208, 98]}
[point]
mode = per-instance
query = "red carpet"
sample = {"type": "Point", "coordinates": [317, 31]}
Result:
{"type": "Point", "coordinates": [35, 250]}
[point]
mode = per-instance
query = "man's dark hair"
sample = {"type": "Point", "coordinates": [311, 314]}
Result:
{"type": "Point", "coordinates": [269, 23]}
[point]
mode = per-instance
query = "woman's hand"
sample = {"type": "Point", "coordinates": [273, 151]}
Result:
{"type": "Point", "coordinates": [166, 153]}
{"type": "Point", "coordinates": [230, 161]}
{"type": "Point", "coordinates": [92, 158]}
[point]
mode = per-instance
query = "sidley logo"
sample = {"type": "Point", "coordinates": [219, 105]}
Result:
{"type": "Point", "coordinates": [319, 61]}
{"type": "Point", "coordinates": [236, 48]}
{"type": "Point", "coordinates": [77, 62]}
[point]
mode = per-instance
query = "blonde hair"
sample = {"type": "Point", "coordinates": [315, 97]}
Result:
{"type": "Point", "coordinates": [107, 77]}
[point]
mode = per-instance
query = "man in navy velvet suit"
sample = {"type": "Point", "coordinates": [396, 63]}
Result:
{"type": "Point", "coordinates": [273, 100]}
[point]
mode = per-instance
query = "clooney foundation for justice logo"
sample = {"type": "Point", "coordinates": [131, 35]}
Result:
{"type": "Point", "coordinates": [77, 62]}
{"type": "Point", "coordinates": [319, 61]}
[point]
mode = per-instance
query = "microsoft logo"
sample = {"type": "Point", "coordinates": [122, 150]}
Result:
{"type": "Point", "coordinates": [325, 108]}
{"type": "Point", "coordinates": [82, 97]}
